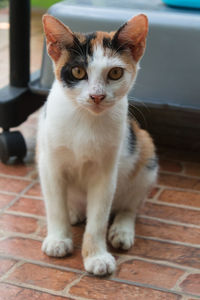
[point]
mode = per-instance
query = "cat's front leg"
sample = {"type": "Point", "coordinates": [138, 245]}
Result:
{"type": "Point", "coordinates": [97, 259]}
{"type": "Point", "coordinates": [58, 242]}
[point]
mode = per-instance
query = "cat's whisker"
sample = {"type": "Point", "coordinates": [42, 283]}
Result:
{"type": "Point", "coordinates": [79, 47]}
{"type": "Point", "coordinates": [75, 51]}
{"type": "Point", "coordinates": [139, 101]}
{"type": "Point", "coordinates": [141, 114]}
{"type": "Point", "coordinates": [121, 46]}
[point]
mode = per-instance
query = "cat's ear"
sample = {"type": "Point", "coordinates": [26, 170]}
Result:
{"type": "Point", "coordinates": [133, 35]}
{"type": "Point", "coordinates": [58, 36]}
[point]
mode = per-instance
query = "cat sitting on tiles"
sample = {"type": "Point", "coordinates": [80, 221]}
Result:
{"type": "Point", "coordinates": [93, 159]}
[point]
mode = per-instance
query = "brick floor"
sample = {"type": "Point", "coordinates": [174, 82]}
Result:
{"type": "Point", "coordinates": [164, 262]}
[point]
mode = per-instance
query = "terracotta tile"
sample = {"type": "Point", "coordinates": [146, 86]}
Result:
{"type": "Point", "coordinates": [171, 213]}
{"type": "Point", "coordinates": [5, 265]}
{"type": "Point", "coordinates": [153, 192]}
{"type": "Point", "coordinates": [191, 284]}
{"type": "Point", "coordinates": [170, 165]}
{"type": "Point", "coordinates": [10, 292]}
{"type": "Point", "coordinates": [153, 228]}
{"type": "Point", "coordinates": [31, 249]}
{"type": "Point", "coordinates": [192, 169]}
{"type": "Point", "coordinates": [98, 289]}
{"type": "Point", "coordinates": [35, 190]}
{"type": "Point", "coordinates": [183, 255]}
{"type": "Point", "coordinates": [148, 273]}
{"type": "Point", "coordinates": [13, 185]}
{"type": "Point", "coordinates": [179, 181]}
{"type": "Point", "coordinates": [31, 206]}
{"type": "Point", "coordinates": [16, 169]}
{"type": "Point", "coordinates": [35, 295]}
{"type": "Point", "coordinates": [42, 232]}
{"type": "Point", "coordinates": [18, 224]}
{"type": "Point", "coordinates": [78, 232]}
{"type": "Point", "coordinates": [44, 277]}
{"type": "Point", "coordinates": [5, 200]}
{"type": "Point", "coordinates": [180, 197]}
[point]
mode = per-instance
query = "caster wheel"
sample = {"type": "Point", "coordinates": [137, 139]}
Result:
{"type": "Point", "coordinates": [12, 144]}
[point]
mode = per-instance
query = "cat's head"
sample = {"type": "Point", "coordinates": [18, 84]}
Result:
{"type": "Point", "coordinates": [97, 69]}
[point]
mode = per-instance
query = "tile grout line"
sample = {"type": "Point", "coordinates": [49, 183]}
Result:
{"type": "Point", "coordinates": [33, 197]}
{"type": "Point", "coordinates": [14, 177]}
{"type": "Point", "coordinates": [179, 174]}
{"type": "Point", "coordinates": [18, 196]}
{"type": "Point", "coordinates": [43, 290]}
{"type": "Point", "coordinates": [123, 257]}
{"type": "Point", "coordinates": [43, 264]}
{"type": "Point", "coordinates": [180, 280]}
{"type": "Point", "coordinates": [152, 287]}
{"type": "Point", "coordinates": [11, 270]}
{"type": "Point", "coordinates": [22, 214]}
{"type": "Point", "coordinates": [66, 290]}
{"type": "Point", "coordinates": [33, 287]}
{"type": "Point", "coordinates": [30, 236]}
{"type": "Point", "coordinates": [157, 195]}
{"type": "Point", "coordinates": [173, 242]}
{"type": "Point", "coordinates": [32, 172]}
{"type": "Point", "coordinates": [188, 225]}
{"type": "Point", "coordinates": [164, 263]}
{"type": "Point", "coordinates": [179, 189]}
{"type": "Point", "coordinates": [174, 205]}
{"type": "Point", "coordinates": [8, 193]}
{"type": "Point", "coordinates": [33, 236]}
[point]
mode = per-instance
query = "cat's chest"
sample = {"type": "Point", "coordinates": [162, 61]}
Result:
{"type": "Point", "coordinates": [84, 140]}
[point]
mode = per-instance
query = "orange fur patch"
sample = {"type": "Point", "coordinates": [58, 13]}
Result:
{"type": "Point", "coordinates": [134, 34]}
{"type": "Point", "coordinates": [100, 35]}
{"type": "Point", "coordinates": [57, 35]}
{"type": "Point", "coordinates": [89, 247]}
{"type": "Point", "coordinates": [146, 146]}
{"type": "Point", "coordinates": [64, 57]}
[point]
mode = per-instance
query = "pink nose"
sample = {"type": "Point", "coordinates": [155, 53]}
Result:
{"type": "Point", "coordinates": [97, 98]}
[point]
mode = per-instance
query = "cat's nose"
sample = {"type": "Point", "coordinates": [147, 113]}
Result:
{"type": "Point", "coordinates": [97, 98]}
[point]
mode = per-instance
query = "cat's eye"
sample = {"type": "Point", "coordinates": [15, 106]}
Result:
{"type": "Point", "coordinates": [115, 73]}
{"type": "Point", "coordinates": [79, 73]}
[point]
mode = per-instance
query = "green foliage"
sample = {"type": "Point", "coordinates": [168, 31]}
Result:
{"type": "Point", "coordinates": [3, 3]}
{"type": "Point", "coordinates": [43, 3]}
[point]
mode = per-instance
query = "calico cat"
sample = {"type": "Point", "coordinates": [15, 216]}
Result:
{"type": "Point", "coordinates": [93, 159]}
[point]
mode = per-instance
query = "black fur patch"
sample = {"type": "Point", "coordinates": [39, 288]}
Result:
{"type": "Point", "coordinates": [152, 163]}
{"type": "Point", "coordinates": [132, 140]}
{"type": "Point", "coordinates": [78, 57]}
{"type": "Point", "coordinates": [114, 43]}
{"type": "Point", "coordinates": [107, 42]}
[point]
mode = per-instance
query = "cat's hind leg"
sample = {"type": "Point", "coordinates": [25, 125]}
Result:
{"type": "Point", "coordinates": [129, 197]}
{"type": "Point", "coordinates": [77, 206]}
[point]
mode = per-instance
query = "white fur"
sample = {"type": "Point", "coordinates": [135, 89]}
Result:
{"type": "Point", "coordinates": [84, 165]}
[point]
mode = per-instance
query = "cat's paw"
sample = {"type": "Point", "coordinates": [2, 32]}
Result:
{"type": "Point", "coordinates": [53, 246]}
{"type": "Point", "coordinates": [75, 217]}
{"type": "Point", "coordinates": [102, 264]}
{"type": "Point", "coordinates": [120, 238]}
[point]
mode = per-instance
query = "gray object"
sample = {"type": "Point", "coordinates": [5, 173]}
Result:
{"type": "Point", "coordinates": [170, 68]}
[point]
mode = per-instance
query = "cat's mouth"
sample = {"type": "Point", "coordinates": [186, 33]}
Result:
{"type": "Point", "coordinates": [98, 108]}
